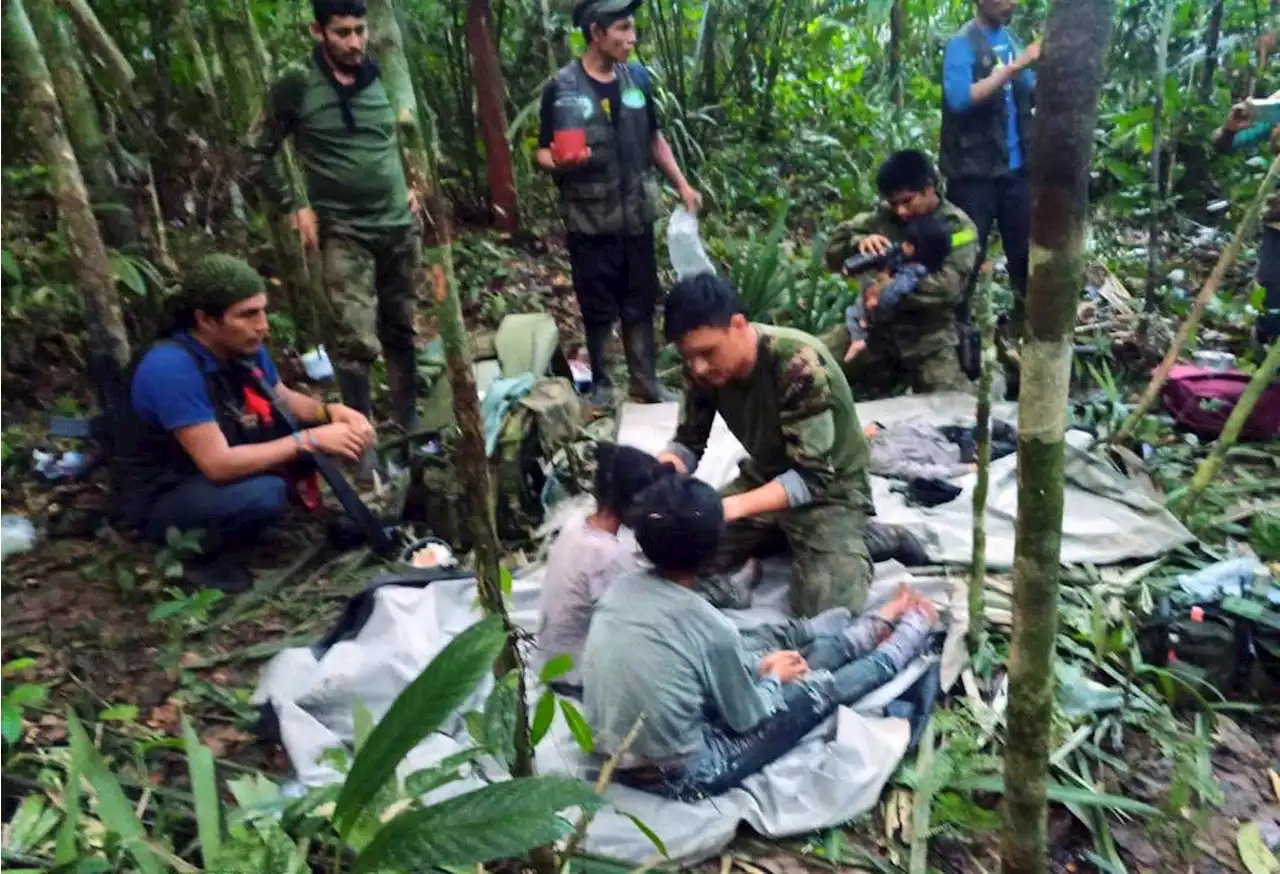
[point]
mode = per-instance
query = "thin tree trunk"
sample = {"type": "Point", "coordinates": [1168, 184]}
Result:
{"type": "Point", "coordinates": [1150, 303]}
{"type": "Point", "coordinates": [486, 68]}
{"type": "Point", "coordinates": [1207, 291]}
{"type": "Point", "coordinates": [108, 340]}
{"type": "Point", "coordinates": [548, 37]}
{"type": "Point", "coordinates": [97, 38]}
{"type": "Point", "coordinates": [1070, 80]}
{"type": "Point", "coordinates": [897, 25]}
{"type": "Point", "coordinates": [1207, 472]}
{"type": "Point", "coordinates": [191, 44]}
{"type": "Point", "coordinates": [84, 129]}
{"type": "Point", "coordinates": [982, 437]}
{"type": "Point", "coordinates": [707, 53]}
{"type": "Point", "coordinates": [1212, 36]}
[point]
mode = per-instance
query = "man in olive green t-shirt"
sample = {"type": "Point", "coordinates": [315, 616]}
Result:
{"type": "Point", "coordinates": [804, 484]}
{"type": "Point", "coordinates": [360, 210]}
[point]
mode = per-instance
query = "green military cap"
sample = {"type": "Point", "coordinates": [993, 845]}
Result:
{"type": "Point", "coordinates": [600, 11]}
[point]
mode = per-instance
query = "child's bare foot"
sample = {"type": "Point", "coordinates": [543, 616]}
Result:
{"type": "Point", "coordinates": [898, 604]}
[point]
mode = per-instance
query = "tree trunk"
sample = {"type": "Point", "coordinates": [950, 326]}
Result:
{"type": "Point", "coordinates": [1207, 291]}
{"type": "Point", "coordinates": [707, 53]}
{"type": "Point", "coordinates": [550, 43]}
{"type": "Point", "coordinates": [1150, 303]}
{"type": "Point", "coordinates": [1070, 79]}
{"type": "Point", "coordinates": [108, 341]}
{"type": "Point", "coordinates": [486, 68]}
{"type": "Point", "coordinates": [84, 129]}
{"type": "Point", "coordinates": [191, 44]}
{"type": "Point", "coordinates": [897, 24]}
{"type": "Point", "coordinates": [1212, 36]}
{"type": "Point", "coordinates": [982, 437]}
{"type": "Point", "coordinates": [97, 38]}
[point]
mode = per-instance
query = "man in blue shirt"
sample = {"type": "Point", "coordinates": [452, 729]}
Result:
{"type": "Point", "coordinates": [987, 98]}
{"type": "Point", "coordinates": [199, 447]}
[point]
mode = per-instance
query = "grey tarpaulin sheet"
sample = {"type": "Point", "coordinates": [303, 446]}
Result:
{"type": "Point", "coordinates": [1107, 519]}
{"type": "Point", "coordinates": [836, 774]}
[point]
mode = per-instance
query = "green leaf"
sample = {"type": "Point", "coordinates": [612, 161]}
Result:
{"type": "Point", "coordinates": [362, 724]}
{"type": "Point", "coordinates": [127, 274]}
{"type": "Point", "coordinates": [448, 770]}
{"type": "Point", "coordinates": [543, 715]}
{"type": "Point", "coordinates": [419, 710]}
{"type": "Point", "coordinates": [204, 787]}
{"type": "Point", "coordinates": [32, 822]}
{"type": "Point", "coordinates": [9, 264]}
{"type": "Point", "coordinates": [578, 726]}
{"type": "Point", "coordinates": [650, 833]}
{"type": "Point", "coordinates": [10, 721]}
{"type": "Point", "coordinates": [504, 577]}
{"type": "Point", "coordinates": [68, 845]}
{"type": "Point", "coordinates": [556, 667]}
{"type": "Point", "coordinates": [28, 693]}
{"type": "Point", "coordinates": [495, 822]}
{"type": "Point", "coordinates": [168, 609]}
{"type": "Point", "coordinates": [1253, 850]}
{"type": "Point", "coordinates": [1061, 794]}
{"type": "Point", "coordinates": [119, 713]}
{"type": "Point", "coordinates": [114, 808]}
{"type": "Point", "coordinates": [16, 666]}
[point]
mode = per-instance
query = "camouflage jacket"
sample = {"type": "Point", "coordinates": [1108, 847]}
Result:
{"type": "Point", "coordinates": [925, 320]}
{"type": "Point", "coordinates": [793, 414]}
{"type": "Point", "coordinates": [1226, 141]}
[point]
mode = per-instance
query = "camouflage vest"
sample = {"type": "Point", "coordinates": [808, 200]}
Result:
{"type": "Point", "coordinates": [974, 143]}
{"type": "Point", "coordinates": [614, 194]}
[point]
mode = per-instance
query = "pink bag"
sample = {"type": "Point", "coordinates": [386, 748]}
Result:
{"type": "Point", "coordinates": [1200, 400]}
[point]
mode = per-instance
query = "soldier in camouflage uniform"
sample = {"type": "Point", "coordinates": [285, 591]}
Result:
{"type": "Point", "coordinates": [1244, 129]}
{"type": "Point", "coordinates": [804, 484]}
{"type": "Point", "coordinates": [360, 211]}
{"type": "Point", "coordinates": [918, 347]}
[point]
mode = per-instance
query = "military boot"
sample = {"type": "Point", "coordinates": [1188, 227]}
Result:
{"type": "Point", "coordinates": [357, 393]}
{"type": "Point", "coordinates": [601, 385]}
{"type": "Point", "coordinates": [641, 354]}
{"type": "Point", "coordinates": [894, 541]}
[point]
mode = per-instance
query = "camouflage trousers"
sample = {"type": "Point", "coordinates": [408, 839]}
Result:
{"type": "Point", "coordinates": [880, 370]}
{"type": "Point", "coordinates": [830, 565]}
{"type": "Point", "coordinates": [371, 281]}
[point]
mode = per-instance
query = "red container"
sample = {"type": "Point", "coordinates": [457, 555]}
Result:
{"type": "Point", "coordinates": [569, 142]}
{"type": "Point", "coordinates": [567, 145]}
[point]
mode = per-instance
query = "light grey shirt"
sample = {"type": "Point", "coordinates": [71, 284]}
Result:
{"type": "Point", "coordinates": [663, 651]}
{"type": "Point", "coordinates": [583, 562]}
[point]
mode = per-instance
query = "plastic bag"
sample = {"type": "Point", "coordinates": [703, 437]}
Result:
{"type": "Point", "coordinates": [317, 364]}
{"type": "Point", "coordinates": [688, 258]}
{"type": "Point", "coordinates": [17, 535]}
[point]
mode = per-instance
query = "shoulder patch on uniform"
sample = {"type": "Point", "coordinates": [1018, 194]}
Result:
{"type": "Point", "coordinates": [806, 381]}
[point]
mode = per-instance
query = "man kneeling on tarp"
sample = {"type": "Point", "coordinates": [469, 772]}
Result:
{"type": "Point", "coordinates": [714, 712]}
{"type": "Point", "coordinates": [198, 446]}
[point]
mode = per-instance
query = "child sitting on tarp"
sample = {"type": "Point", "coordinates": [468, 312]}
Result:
{"type": "Point", "coordinates": [925, 246]}
{"type": "Point", "coordinates": [713, 713]}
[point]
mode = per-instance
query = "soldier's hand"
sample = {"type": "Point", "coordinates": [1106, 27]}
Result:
{"type": "Point", "coordinates": [338, 438]}
{"type": "Point", "coordinates": [304, 222]}
{"type": "Point", "coordinates": [876, 244]}
{"type": "Point", "coordinates": [854, 348]}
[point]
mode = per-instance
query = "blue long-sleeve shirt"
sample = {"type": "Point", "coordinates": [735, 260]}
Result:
{"type": "Point", "coordinates": [957, 76]}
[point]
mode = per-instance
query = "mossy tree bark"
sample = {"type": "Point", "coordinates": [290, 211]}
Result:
{"type": "Point", "coordinates": [190, 40]}
{"type": "Point", "coordinates": [986, 321]}
{"type": "Point", "coordinates": [1150, 302]}
{"type": "Point", "coordinates": [100, 42]}
{"type": "Point", "coordinates": [1212, 38]}
{"type": "Point", "coordinates": [108, 340]}
{"type": "Point", "coordinates": [897, 26]}
{"type": "Point", "coordinates": [83, 126]}
{"type": "Point", "coordinates": [486, 70]}
{"type": "Point", "coordinates": [1070, 79]}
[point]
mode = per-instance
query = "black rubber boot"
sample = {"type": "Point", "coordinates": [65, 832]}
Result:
{"type": "Point", "coordinates": [402, 383]}
{"type": "Point", "coordinates": [601, 385]}
{"type": "Point", "coordinates": [641, 354]}
{"type": "Point", "coordinates": [357, 393]}
{"type": "Point", "coordinates": [894, 541]}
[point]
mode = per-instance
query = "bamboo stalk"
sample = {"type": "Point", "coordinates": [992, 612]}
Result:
{"type": "Point", "coordinates": [982, 437]}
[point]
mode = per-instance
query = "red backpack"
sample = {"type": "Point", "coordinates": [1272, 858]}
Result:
{"type": "Point", "coordinates": [1200, 400]}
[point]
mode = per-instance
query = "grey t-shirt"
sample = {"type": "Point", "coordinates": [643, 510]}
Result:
{"type": "Point", "coordinates": [582, 563]}
{"type": "Point", "coordinates": [658, 649]}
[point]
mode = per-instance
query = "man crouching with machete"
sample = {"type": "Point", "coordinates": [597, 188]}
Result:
{"type": "Point", "coordinates": [199, 446]}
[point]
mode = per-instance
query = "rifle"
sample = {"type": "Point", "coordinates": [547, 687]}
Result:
{"type": "Point", "coordinates": [385, 540]}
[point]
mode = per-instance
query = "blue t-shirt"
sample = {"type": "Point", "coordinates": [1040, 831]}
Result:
{"type": "Point", "coordinates": [169, 387]}
{"type": "Point", "coordinates": [957, 76]}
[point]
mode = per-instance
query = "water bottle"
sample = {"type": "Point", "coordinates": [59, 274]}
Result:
{"type": "Point", "coordinates": [688, 258]}
{"type": "Point", "coordinates": [569, 138]}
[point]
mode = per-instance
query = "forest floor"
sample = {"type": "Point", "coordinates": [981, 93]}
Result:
{"type": "Point", "coordinates": [113, 636]}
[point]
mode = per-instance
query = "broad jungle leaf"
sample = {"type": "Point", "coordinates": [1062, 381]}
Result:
{"type": "Point", "coordinates": [419, 710]}
{"type": "Point", "coordinates": [495, 822]}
